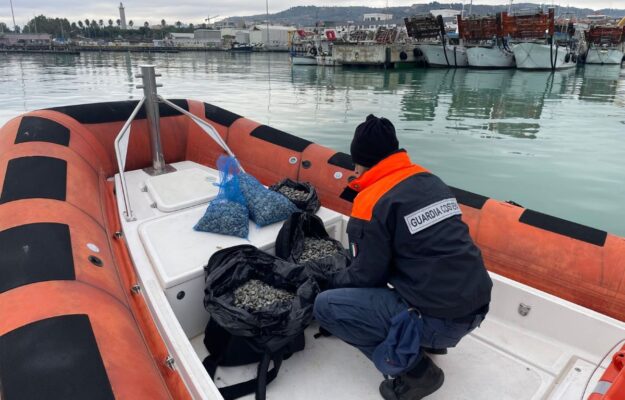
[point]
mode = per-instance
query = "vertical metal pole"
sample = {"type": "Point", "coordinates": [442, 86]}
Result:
{"type": "Point", "coordinates": [13, 14]}
{"type": "Point", "coordinates": [148, 77]}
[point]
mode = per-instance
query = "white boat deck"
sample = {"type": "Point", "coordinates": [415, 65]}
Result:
{"type": "Point", "coordinates": [548, 354]}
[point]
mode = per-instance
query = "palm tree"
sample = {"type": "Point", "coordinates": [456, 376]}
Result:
{"type": "Point", "coordinates": [163, 23]}
{"type": "Point", "coordinates": [110, 22]}
{"type": "Point", "coordinates": [118, 22]}
{"type": "Point", "coordinates": [178, 24]}
{"type": "Point", "coordinates": [87, 22]}
{"type": "Point", "coordinates": [101, 23]}
{"type": "Point", "coordinates": [191, 26]}
{"type": "Point", "coordinates": [146, 24]}
{"type": "Point", "coordinates": [131, 23]}
{"type": "Point", "coordinates": [80, 24]}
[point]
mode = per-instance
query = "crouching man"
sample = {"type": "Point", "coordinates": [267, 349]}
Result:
{"type": "Point", "coordinates": [417, 283]}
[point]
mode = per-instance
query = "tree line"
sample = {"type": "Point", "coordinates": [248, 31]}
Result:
{"type": "Point", "coordinates": [62, 28]}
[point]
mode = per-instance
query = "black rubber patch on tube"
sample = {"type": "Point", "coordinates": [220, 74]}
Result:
{"type": "Point", "coordinates": [36, 129]}
{"type": "Point", "coordinates": [34, 177]}
{"type": "Point", "coordinates": [35, 253]}
{"type": "Point", "coordinates": [564, 227]}
{"type": "Point", "coordinates": [280, 138]}
{"type": "Point", "coordinates": [470, 199]}
{"type": "Point", "coordinates": [342, 160]}
{"type": "Point", "coordinates": [115, 111]}
{"type": "Point", "coordinates": [54, 358]}
{"type": "Point", "coordinates": [219, 115]}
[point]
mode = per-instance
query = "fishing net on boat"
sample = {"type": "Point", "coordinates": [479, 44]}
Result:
{"type": "Point", "coordinates": [302, 194]}
{"type": "Point", "coordinates": [265, 206]}
{"type": "Point", "coordinates": [227, 214]}
{"type": "Point", "coordinates": [304, 240]}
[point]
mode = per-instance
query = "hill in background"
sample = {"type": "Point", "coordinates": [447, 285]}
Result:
{"type": "Point", "coordinates": [309, 15]}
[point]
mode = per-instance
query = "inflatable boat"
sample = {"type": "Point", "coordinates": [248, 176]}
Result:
{"type": "Point", "coordinates": [101, 273]}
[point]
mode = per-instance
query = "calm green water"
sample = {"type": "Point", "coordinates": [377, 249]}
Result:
{"type": "Point", "coordinates": [551, 142]}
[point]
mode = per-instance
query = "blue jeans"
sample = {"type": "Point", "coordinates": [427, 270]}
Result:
{"type": "Point", "coordinates": [362, 318]}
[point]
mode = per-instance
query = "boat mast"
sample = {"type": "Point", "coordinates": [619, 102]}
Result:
{"type": "Point", "coordinates": [510, 7]}
{"type": "Point", "coordinates": [13, 14]}
{"type": "Point", "coordinates": [471, 8]}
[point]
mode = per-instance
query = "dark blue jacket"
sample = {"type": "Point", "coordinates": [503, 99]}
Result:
{"type": "Point", "coordinates": [406, 230]}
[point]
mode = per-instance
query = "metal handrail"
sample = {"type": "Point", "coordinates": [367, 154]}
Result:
{"type": "Point", "coordinates": [206, 127]}
{"type": "Point", "coordinates": [149, 99]}
{"type": "Point", "coordinates": [121, 160]}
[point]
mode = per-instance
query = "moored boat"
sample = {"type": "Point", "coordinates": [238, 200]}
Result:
{"type": "Point", "coordinates": [303, 59]}
{"type": "Point", "coordinates": [537, 45]}
{"type": "Point", "coordinates": [539, 56]}
{"type": "Point", "coordinates": [432, 42]}
{"type": "Point", "coordinates": [448, 55]}
{"type": "Point", "coordinates": [107, 299]}
{"type": "Point", "coordinates": [606, 44]}
{"type": "Point", "coordinates": [487, 47]}
{"type": "Point", "coordinates": [494, 56]}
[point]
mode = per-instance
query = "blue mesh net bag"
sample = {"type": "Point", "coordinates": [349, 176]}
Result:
{"type": "Point", "coordinates": [227, 214]}
{"type": "Point", "coordinates": [266, 206]}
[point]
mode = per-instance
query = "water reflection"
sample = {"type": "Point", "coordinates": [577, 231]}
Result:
{"type": "Point", "coordinates": [600, 83]}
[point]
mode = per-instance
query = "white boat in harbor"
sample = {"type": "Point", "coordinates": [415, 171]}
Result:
{"type": "Point", "coordinates": [304, 59]}
{"type": "Point", "coordinates": [432, 42]}
{"type": "Point", "coordinates": [437, 55]}
{"type": "Point", "coordinates": [539, 56]}
{"type": "Point", "coordinates": [487, 43]}
{"type": "Point", "coordinates": [604, 56]}
{"type": "Point", "coordinates": [606, 44]}
{"type": "Point", "coordinates": [490, 57]}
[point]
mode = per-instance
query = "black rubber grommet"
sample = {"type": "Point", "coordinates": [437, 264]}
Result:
{"type": "Point", "coordinates": [95, 261]}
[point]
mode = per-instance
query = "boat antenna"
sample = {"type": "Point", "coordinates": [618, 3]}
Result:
{"type": "Point", "coordinates": [13, 14]}
{"type": "Point", "coordinates": [471, 8]}
{"type": "Point", "coordinates": [510, 7]}
{"type": "Point", "coordinates": [267, 14]}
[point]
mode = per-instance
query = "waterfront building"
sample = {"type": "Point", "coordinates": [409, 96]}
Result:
{"type": "Point", "coordinates": [272, 37]}
{"type": "Point", "coordinates": [377, 17]}
{"type": "Point", "coordinates": [238, 35]}
{"type": "Point", "coordinates": [13, 39]}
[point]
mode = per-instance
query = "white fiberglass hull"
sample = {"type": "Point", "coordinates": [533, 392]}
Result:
{"type": "Point", "coordinates": [490, 57]}
{"type": "Point", "coordinates": [542, 56]}
{"type": "Point", "coordinates": [326, 61]}
{"type": "Point", "coordinates": [303, 60]}
{"type": "Point", "coordinates": [449, 56]}
{"type": "Point", "coordinates": [604, 56]}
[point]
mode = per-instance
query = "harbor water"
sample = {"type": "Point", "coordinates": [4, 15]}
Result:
{"type": "Point", "coordinates": [553, 142]}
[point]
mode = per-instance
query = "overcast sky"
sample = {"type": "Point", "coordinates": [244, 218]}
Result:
{"type": "Point", "coordinates": [195, 10]}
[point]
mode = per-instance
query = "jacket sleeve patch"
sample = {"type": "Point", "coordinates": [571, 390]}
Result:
{"type": "Point", "coordinates": [432, 214]}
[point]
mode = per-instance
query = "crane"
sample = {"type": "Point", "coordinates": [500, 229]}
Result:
{"type": "Point", "coordinates": [209, 18]}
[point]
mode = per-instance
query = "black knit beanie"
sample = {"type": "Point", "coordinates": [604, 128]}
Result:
{"type": "Point", "coordinates": [374, 140]}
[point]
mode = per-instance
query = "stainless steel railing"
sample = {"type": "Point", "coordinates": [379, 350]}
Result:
{"type": "Point", "coordinates": [151, 99]}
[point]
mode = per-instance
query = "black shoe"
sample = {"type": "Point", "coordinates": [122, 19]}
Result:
{"type": "Point", "coordinates": [425, 379]}
{"type": "Point", "coordinates": [430, 350]}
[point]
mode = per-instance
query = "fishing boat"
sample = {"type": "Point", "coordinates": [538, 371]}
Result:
{"type": "Point", "coordinates": [489, 46]}
{"type": "Point", "coordinates": [101, 274]}
{"type": "Point", "coordinates": [383, 47]}
{"type": "Point", "coordinates": [303, 50]}
{"type": "Point", "coordinates": [606, 44]}
{"type": "Point", "coordinates": [433, 42]}
{"type": "Point", "coordinates": [241, 48]}
{"type": "Point", "coordinates": [538, 47]}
